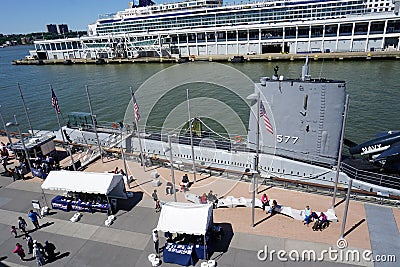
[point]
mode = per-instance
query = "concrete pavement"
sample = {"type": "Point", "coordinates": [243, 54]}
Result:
{"type": "Point", "coordinates": [128, 241]}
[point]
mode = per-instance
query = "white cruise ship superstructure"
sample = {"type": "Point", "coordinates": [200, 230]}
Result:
{"type": "Point", "coordinates": [208, 27]}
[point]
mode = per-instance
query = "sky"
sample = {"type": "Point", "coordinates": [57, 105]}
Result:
{"type": "Point", "coordinates": [26, 16]}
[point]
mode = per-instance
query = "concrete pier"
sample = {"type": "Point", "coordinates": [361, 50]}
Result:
{"type": "Point", "coordinates": [342, 56]}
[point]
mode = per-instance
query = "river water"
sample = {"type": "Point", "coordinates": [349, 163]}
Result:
{"type": "Point", "coordinates": [373, 86]}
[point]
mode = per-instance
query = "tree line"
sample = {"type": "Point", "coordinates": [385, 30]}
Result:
{"type": "Point", "coordinates": [29, 38]}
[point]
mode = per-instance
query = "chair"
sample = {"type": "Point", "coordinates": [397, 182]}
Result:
{"type": "Point", "coordinates": [76, 217]}
{"type": "Point", "coordinates": [192, 198]}
{"type": "Point", "coordinates": [156, 182]}
{"type": "Point", "coordinates": [225, 203]}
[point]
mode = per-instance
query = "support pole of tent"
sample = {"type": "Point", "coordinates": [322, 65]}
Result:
{"type": "Point", "coordinates": [205, 247]}
{"type": "Point", "coordinates": [109, 204]}
{"type": "Point", "coordinates": [45, 199]}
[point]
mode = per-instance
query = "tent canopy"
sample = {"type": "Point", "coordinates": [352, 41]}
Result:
{"type": "Point", "coordinates": [83, 182]}
{"type": "Point", "coordinates": [185, 218]}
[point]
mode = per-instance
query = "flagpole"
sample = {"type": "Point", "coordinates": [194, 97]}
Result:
{"type": "Point", "coordinates": [56, 109]}
{"type": "Point", "coordinates": [257, 139]}
{"type": "Point", "coordinates": [26, 110]}
{"type": "Point", "coordinates": [191, 135]}
{"type": "Point", "coordinates": [346, 107]}
{"type": "Point", "coordinates": [123, 156]}
{"type": "Point", "coordinates": [255, 173]}
{"type": "Point", "coordinates": [94, 123]}
{"type": "Point", "coordinates": [137, 130]}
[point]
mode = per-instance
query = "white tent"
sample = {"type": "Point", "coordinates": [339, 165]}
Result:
{"type": "Point", "coordinates": [86, 182]}
{"type": "Point", "coordinates": [186, 218]}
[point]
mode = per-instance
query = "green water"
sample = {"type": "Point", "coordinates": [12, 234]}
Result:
{"type": "Point", "coordinates": [373, 87]}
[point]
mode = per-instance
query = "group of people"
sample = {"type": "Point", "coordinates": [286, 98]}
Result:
{"type": "Point", "coordinates": [209, 198]}
{"type": "Point", "coordinates": [117, 171]}
{"type": "Point", "coordinates": [320, 221]}
{"type": "Point", "coordinates": [272, 206]}
{"type": "Point", "coordinates": [42, 253]}
{"type": "Point", "coordinates": [45, 165]}
{"type": "Point", "coordinates": [22, 225]}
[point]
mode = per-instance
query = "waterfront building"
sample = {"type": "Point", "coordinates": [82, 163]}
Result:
{"type": "Point", "coordinates": [207, 28]}
{"type": "Point", "coordinates": [63, 28]}
{"type": "Point", "coordinates": [52, 28]}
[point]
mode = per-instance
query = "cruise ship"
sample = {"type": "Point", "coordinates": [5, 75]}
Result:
{"type": "Point", "coordinates": [208, 27]}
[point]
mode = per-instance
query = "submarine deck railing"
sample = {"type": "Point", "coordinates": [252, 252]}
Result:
{"type": "Point", "coordinates": [380, 179]}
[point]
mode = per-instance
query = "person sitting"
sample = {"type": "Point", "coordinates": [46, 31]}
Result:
{"type": "Point", "coordinates": [185, 183]}
{"type": "Point", "coordinates": [307, 215]}
{"type": "Point", "coordinates": [264, 201]}
{"type": "Point", "coordinates": [212, 199]}
{"type": "Point", "coordinates": [272, 207]}
{"type": "Point", "coordinates": [203, 199]}
{"type": "Point", "coordinates": [321, 222]}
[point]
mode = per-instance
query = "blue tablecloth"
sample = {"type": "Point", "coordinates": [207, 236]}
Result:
{"type": "Point", "coordinates": [65, 204]}
{"type": "Point", "coordinates": [81, 206]}
{"type": "Point", "coordinates": [100, 207]}
{"type": "Point", "coordinates": [179, 254]}
{"type": "Point", "coordinates": [38, 173]}
{"type": "Point", "coordinates": [199, 250]}
{"type": "Point", "coordinates": [61, 203]}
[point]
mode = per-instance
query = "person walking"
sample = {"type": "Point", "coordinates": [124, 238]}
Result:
{"type": "Point", "coordinates": [13, 231]}
{"type": "Point", "coordinates": [50, 249]}
{"type": "Point", "coordinates": [156, 241]}
{"type": "Point", "coordinates": [33, 216]}
{"type": "Point", "coordinates": [38, 254]}
{"type": "Point", "coordinates": [19, 251]}
{"type": "Point", "coordinates": [156, 200]}
{"type": "Point", "coordinates": [29, 243]}
{"type": "Point", "coordinates": [22, 224]}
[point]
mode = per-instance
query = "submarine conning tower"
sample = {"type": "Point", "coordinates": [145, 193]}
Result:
{"type": "Point", "coordinates": [305, 114]}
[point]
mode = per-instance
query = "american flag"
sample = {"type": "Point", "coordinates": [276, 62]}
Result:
{"type": "Point", "coordinates": [54, 101]}
{"type": "Point", "coordinates": [135, 107]}
{"type": "Point", "coordinates": [267, 123]}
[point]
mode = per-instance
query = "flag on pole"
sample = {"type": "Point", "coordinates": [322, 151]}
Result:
{"type": "Point", "coordinates": [54, 101]}
{"type": "Point", "coordinates": [267, 123]}
{"type": "Point", "coordinates": [135, 107]}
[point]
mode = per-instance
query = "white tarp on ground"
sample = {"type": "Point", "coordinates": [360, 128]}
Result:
{"type": "Point", "coordinates": [84, 182]}
{"type": "Point", "coordinates": [185, 218]}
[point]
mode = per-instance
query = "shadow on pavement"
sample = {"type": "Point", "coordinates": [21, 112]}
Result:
{"type": "Point", "coordinates": [42, 226]}
{"type": "Point", "coordinates": [222, 243]}
{"type": "Point", "coordinates": [58, 256]}
{"type": "Point", "coordinates": [128, 204]}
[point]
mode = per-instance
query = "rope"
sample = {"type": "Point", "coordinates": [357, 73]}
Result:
{"type": "Point", "coordinates": [219, 135]}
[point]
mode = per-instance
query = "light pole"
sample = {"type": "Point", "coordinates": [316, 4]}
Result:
{"type": "Point", "coordinates": [171, 162]}
{"type": "Point", "coordinates": [5, 129]}
{"type": "Point", "coordinates": [8, 124]}
{"type": "Point", "coordinates": [121, 127]}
